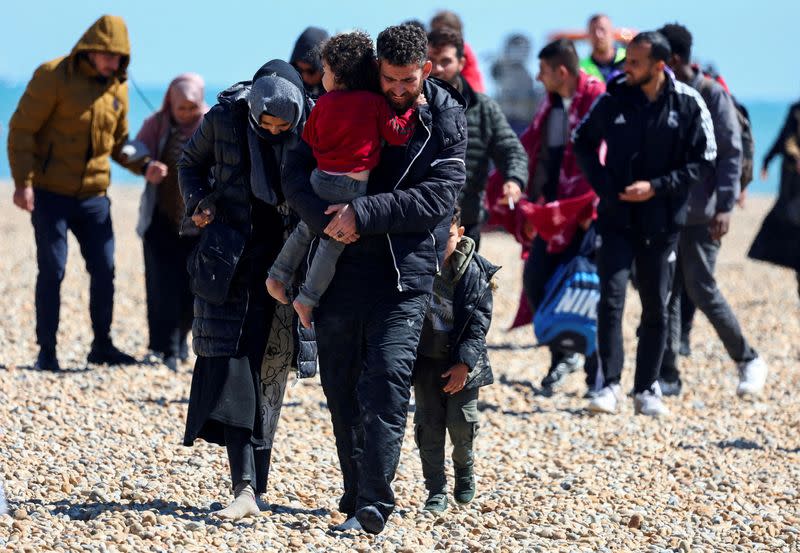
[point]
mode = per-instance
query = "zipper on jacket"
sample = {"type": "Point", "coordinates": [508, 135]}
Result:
{"type": "Point", "coordinates": [435, 254]}
{"type": "Point", "coordinates": [241, 328]}
{"type": "Point", "coordinates": [388, 237]}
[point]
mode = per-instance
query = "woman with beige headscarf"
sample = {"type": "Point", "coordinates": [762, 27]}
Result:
{"type": "Point", "coordinates": [166, 248]}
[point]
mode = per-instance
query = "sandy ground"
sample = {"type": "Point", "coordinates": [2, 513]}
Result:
{"type": "Point", "coordinates": [91, 457]}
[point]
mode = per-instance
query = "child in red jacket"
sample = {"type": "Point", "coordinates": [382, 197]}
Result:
{"type": "Point", "coordinates": [345, 131]}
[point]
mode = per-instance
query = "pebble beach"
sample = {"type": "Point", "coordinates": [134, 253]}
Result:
{"type": "Point", "coordinates": [91, 457]}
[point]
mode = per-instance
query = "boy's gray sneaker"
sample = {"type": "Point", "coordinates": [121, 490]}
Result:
{"type": "Point", "coordinates": [464, 488]}
{"type": "Point", "coordinates": [436, 503]}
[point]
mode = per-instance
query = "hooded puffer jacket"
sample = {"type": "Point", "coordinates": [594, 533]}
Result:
{"type": "Point", "coordinates": [70, 119]}
{"type": "Point", "coordinates": [217, 156]}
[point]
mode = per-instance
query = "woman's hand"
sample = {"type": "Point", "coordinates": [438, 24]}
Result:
{"type": "Point", "coordinates": [203, 216]}
{"type": "Point", "coordinates": [457, 378]}
{"type": "Point", "coordinates": [155, 173]}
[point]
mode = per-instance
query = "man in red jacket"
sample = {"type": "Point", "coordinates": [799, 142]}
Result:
{"type": "Point", "coordinates": [554, 176]}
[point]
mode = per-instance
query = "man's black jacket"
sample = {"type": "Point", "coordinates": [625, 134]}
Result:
{"type": "Point", "coordinates": [669, 142]}
{"type": "Point", "coordinates": [407, 217]}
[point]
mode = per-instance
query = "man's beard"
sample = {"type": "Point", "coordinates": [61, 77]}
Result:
{"type": "Point", "coordinates": [645, 80]}
{"type": "Point", "coordinates": [407, 100]}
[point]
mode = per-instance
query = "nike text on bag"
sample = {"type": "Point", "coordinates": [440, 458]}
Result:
{"type": "Point", "coordinates": [567, 317]}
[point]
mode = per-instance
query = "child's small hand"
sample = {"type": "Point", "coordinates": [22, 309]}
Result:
{"type": "Point", "coordinates": [421, 100]}
{"type": "Point", "coordinates": [457, 378]}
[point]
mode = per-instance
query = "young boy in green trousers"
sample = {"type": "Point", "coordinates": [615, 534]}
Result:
{"type": "Point", "coordinates": [452, 363]}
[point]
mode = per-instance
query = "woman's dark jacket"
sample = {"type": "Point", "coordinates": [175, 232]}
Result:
{"type": "Point", "coordinates": [217, 155]}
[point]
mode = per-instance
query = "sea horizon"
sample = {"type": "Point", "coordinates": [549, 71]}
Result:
{"type": "Point", "coordinates": [767, 116]}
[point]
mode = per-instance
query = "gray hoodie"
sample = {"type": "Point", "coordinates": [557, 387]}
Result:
{"type": "Point", "coordinates": [719, 192]}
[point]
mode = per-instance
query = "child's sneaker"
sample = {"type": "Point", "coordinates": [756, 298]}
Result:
{"type": "Point", "coordinates": [464, 487]}
{"type": "Point", "coordinates": [436, 503]}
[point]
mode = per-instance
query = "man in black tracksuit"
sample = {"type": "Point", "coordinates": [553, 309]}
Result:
{"type": "Point", "coordinates": [660, 143]}
{"type": "Point", "coordinates": [368, 323]}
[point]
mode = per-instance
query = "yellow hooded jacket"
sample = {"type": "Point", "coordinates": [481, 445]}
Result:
{"type": "Point", "coordinates": [69, 121]}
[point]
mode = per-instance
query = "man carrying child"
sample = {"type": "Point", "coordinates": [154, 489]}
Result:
{"type": "Point", "coordinates": [369, 320]}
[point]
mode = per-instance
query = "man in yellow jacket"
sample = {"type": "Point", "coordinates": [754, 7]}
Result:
{"type": "Point", "coordinates": [71, 119]}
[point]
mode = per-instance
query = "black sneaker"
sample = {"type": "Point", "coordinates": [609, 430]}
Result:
{"type": "Point", "coordinates": [46, 360]}
{"type": "Point", "coordinates": [464, 488]}
{"type": "Point", "coordinates": [171, 362]}
{"type": "Point", "coordinates": [371, 519]}
{"type": "Point", "coordinates": [561, 369]}
{"type": "Point", "coordinates": [670, 388]}
{"type": "Point", "coordinates": [108, 354]}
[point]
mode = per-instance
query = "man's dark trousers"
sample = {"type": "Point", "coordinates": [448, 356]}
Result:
{"type": "Point", "coordinates": [367, 347]}
{"type": "Point", "coordinates": [655, 259]}
{"type": "Point", "coordinates": [89, 219]}
{"type": "Point", "coordinates": [697, 258]}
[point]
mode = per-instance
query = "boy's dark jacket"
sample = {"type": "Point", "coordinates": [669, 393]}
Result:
{"type": "Point", "coordinates": [409, 218]}
{"type": "Point", "coordinates": [472, 312]}
{"type": "Point", "coordinates": [669, 142]}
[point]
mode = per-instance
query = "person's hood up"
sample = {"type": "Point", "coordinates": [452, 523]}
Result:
{"type": "Point", "coordinates": [186, 86]}
{"type": "Point", "coordinates": [277, 90]}
{"type": "Point", "coordinates": [108, 34]}
{"type": "Point", "coordinates": [240, 90]}
{"type": "Point", "coordinates": [306, 49]}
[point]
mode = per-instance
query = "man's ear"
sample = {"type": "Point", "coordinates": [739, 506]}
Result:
{"type": "Point", "coordinates": [426, 69]}
{"type": "Point", "coordinates": [461, 231]}
{"type": "Point", "coordinates": [462, 61]}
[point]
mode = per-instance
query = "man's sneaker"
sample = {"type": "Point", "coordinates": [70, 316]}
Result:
{"type": "Point", "coordinates": [464, 486]}
{"type": "Point", "coordinates": [752, 377]}
{"type": "Point", "coordinates": [605, 401]}
{"type": "Point", "coordinates": [559, 370]}
{"type": "Point", "coordinates": [46, 360]}
{"type": "Point", "coordinates": [371, 519]}
{"type": "Point", "coordinates": [107, 354]}
{"type": "Point", "coordinates": [436, 503]}
{"type": "Point", "coordinates": [649, 402]}
{"type": "Point", "coordinates": [670, 387]}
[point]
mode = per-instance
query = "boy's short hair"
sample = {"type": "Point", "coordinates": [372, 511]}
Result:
{"type": "Point", "coordinates": [561, 52]}
{"type": "Point", "coordinates": [445, 36]}
{"type": "Point", "coordinates": [351, 57]}
{"type": "Point", "coordinates": [456, 218]}
{"type": "Point", "coordinates": [401, 45]}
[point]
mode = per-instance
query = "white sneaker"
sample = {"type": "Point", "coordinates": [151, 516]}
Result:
{"type": "Point", "coordinates": [606, 400]}
{"type": "Point", "coordinates": [649, 402]}
{"type": "Point", "coordinates": [752, 377]}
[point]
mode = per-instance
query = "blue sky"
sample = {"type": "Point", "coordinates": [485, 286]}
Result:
{"type": "Point", "coordinates": [754, 44]}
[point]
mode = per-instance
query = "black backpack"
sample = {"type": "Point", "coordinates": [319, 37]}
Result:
{"type": "Point", "coordinates": [748, 143]}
